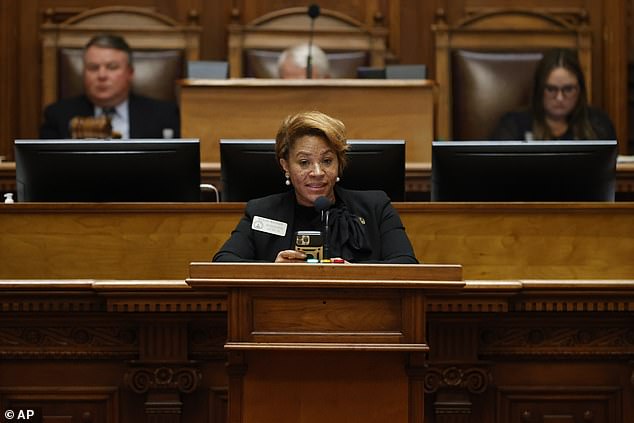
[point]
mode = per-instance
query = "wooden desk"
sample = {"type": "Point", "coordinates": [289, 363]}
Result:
{"type": "Point", "coordinates": [158, 241]}
{"type": "Point", "coordinates": [255, 108]}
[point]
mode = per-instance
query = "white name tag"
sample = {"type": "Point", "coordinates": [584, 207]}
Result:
{"type": "Point", "coordinates": [269, 226]}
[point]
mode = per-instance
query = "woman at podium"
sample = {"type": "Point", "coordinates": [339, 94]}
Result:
{"type": "Point", "coordinates": [317, 219]}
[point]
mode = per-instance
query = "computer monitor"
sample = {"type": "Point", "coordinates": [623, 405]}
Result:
{"type": "Point", "coordinates": [370, 72]}
{"type": "Point", "coordinates": [207, 69]}
{"type": "Point", "coordinates": [523, 170]}
{"type": "Point", "coordinates": [108, 170]}
{"type": "Point", "coordinates": [249, 168]}
{"type": "Point", "coordinates": [392, 72]}
{"type": "Point", "coordinates": [406, 71]}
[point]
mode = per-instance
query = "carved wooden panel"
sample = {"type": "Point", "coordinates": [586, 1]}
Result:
{"type": "Point", "coordinates": [51, 338]}
{"type": "Point", "coordinates": [544, 367]}
{"type": "Point", "coordinates": [64, 364]}
{"type": "Point", "coordinates": [559, 404]}
{"type": "Point", "coordinates": [361, 10]}
{"type": "Point", "coordinates": [532, 337]}
{"type": "Point", "coordinates": [207, 338]}
{"type": "Point", "coordinates": [528, 335]}
{"type": "Point", "coordinates": [370, 12]}
{"type": "Point", "coordinates": [80, 404]}
{"type": "Point", "coordinates": [170, 378]}
{"type": "Point", "coordinates": [453, 341]}
{"type": "Point", "coordinates": [472, 379]}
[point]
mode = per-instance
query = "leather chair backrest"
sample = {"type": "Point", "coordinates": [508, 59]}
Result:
{"type": "Point", "coordinates": [263, 63]}
{"type": "Point", "coordinates": [345, 64]}
{"type": "Point", "coordinates": [485, 65]}
{"type": "Point", "coordinates": [161, 48]}
{"type": "Point", "coordinates": [255, 46]}
{"type": "Point", "coordinates": [154, 72]}
{"type": "Point", "coordinates": [485, 86]}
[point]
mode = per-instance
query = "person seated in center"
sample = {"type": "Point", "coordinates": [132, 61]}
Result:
{"type": "Point", "coordinates": [292, 62]}
{"type": "Point", "coordinates": [107, 73]}
{"type": "Point", "coordinates": [364, 227]}
{"type": "Point", "coordinates": [559, 107]}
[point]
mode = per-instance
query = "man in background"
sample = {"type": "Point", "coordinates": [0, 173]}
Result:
{"type": "Point", "coordinates": [108, 72]}
{"type": "Point", "coordinates": [293, 60]}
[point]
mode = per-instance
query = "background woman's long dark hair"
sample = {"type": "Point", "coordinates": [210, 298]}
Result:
{"type": "Point", "coordinates": [578, 120]}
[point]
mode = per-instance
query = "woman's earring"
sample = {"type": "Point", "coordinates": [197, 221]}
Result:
{"type": "Point", "coordinates": [338, 179]}
{"type": "Point", "coordinates": [288, 180]}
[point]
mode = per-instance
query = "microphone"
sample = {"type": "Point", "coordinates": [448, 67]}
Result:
{"type": "Point", "coordinates": [313, 13]}
{"type": "Point", "coordinates": [322, 204]}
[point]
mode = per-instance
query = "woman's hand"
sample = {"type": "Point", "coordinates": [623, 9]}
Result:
{"type": "Point", "coordinates": [290, 256]}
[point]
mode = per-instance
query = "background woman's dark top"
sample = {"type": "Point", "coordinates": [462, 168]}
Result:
{"type": "Point", "coordinates": [514, 125]}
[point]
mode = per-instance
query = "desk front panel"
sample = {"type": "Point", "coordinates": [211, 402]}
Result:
{"type": "Point", "coordinates": [211, 110]}
{"type": "Point", "coordinates": [158, 241]}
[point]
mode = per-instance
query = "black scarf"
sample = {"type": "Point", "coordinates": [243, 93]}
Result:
{"type": "Point", "coordinates": [348, 238]}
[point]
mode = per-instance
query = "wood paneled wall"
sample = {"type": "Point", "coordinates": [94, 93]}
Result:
{"type": "Point", "coordinates": [408, 22]}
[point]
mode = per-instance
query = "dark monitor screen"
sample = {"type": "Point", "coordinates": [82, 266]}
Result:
{"type": "Point", "coordinates": [249, 168]}
{"type": "Point", "coordinates": [523, 170]}
{"type": "Point", "coordinates": [108, 170]}
{"type": "Point", "coordinates": [370, 72]}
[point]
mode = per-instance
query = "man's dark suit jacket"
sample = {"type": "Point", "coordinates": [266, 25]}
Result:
{"type": "Point", "coordinates": [148, 117]}
{"type": "Point", "coordinates": [384, 230]}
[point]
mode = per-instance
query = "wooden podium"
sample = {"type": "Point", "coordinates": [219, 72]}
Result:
{"type": "Point", "coordinates": [326, 342]}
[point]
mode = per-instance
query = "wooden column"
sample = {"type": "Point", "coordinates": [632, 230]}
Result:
{"type": "Point", "coordinates": [163, 372]}
{"type": "Point", "coordinates": [615, 68]}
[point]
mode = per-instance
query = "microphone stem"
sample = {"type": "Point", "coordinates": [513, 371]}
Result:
{"type": "Point", "coordinates": [309, 58]}
{"type": "Point", "coordinates": [327, 234]}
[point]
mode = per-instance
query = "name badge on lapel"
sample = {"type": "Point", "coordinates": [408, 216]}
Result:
{"type": "Point", "coordinates": [269, 226]}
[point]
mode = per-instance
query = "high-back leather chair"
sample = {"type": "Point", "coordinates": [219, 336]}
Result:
{"type": "Point", "coordinates": [485, 65]}
{"type": "Point", "coordinates": [160, 47]}
{"type": "Point", "coordinates": [255, 47]}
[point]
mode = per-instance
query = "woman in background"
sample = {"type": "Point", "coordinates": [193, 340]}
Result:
{"type": "Point", "coordinates": [559, 107]}
{"type": "Point", "coordinates": [364, 227]}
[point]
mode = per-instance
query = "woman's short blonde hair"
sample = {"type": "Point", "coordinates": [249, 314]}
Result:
{"type": "Point", "coordinates": [314, 123]}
